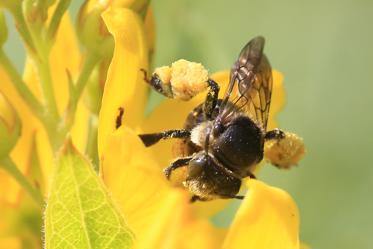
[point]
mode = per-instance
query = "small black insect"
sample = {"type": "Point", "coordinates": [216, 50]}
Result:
{"type": "Point", "coordinates": [223, 139]}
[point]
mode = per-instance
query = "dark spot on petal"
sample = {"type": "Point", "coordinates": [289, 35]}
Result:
{"type": "Point", "coordinates": [118, 120]}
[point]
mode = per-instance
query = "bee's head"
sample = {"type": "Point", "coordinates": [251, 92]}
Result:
{"type": "Point", "coordinates": [205, 179]}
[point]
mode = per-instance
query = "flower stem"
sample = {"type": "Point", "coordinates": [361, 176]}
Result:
{"type": "Point", "coordinates": [23, 28]}
{"type": "Point", "coordinates": [90, 63]}
{"type": "Point", "coordinates": [56, 18]}
{"type": "Point", "coordinates": [75, 93]}
{"type": "Point", "coordinates": [20, 85]}
{"type": "Point", "coordinates": [47, 89]}
{"type": "Point", "coordinates": [8, 165]}
{"type": "Point", "coordinates": [91, 147]}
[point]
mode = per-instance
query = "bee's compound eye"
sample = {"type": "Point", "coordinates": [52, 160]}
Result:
{"type": "Point", "coordinates": [217, 129]}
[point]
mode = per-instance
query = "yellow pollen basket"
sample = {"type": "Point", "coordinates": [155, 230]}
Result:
{"type": "Point", "coordinates": [187, 78]}
{"type": "Point", "coordinates": [286, 152]}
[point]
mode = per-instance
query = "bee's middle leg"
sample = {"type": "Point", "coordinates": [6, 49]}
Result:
{"type": "Point", "coordinates": [153, 138]}
{"type": "Point", "coordinates": [211, 99]}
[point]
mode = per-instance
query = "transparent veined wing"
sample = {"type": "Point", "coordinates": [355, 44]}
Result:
{"type": "Point", "coordinates": [250, 86]}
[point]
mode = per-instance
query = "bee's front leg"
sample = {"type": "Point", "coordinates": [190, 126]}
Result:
{"type": "Point", "coordinates": [153, 138]}
{"type": "Point", "coordinates": [181, 162]}
{"type": "Point", "coordinates": [157, 84]}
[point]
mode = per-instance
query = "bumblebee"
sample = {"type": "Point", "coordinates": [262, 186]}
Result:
{"type": "Point", "coordinates": [223, 138]}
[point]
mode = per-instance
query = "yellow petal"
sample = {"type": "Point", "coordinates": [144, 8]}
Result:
{"type": "Point", "coordinates": [124, 87]}
{"type": "Point", "coordinates": [268, 218]}
{"type": "Point", "coordinates": [156, 212]}
{"type": "Point", "coordinates": [135, 182]}
{"type": "Point", "coordinates": [200, 234]}
{"type": "Point", "coordinates": [136, 5]}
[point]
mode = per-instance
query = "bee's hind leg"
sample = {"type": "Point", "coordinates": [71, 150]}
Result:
{"type": "Point", "coordinates": [181, 162]}
{"type": "Point", "coordinates": [153, 138]}
{"type": "Point", "coordinates": [274, 134]}
{"type": "Point", "coordinates": [211, 99]}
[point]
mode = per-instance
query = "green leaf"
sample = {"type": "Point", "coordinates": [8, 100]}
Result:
{"type": "Point", "coordinates": [79, 212]}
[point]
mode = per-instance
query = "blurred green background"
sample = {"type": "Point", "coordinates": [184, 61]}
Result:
{"type": "Point", "coordinates": [324, 49]}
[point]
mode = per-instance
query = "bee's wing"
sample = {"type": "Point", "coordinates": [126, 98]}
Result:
{"type": "Point", "coordinates": [250, 85]}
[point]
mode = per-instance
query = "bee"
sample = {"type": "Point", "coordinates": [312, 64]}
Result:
{"type": "Point", "coordinates": [224, 138]}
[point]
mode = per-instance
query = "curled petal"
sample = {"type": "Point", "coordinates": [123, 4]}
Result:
{"type": "Point", "coordinates": [125, 90]}
{"type": "Point", "coordinates": [267, 218]}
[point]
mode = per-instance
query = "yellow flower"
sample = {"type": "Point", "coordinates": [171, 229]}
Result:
{"type": "Point", "coordinates": [159, 214]}
{"type": "Point", "coordinates": [46, 100]}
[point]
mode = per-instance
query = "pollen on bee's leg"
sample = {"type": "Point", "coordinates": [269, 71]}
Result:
{"type": "Point", "coordinates": [188, 79]}
{"type": "Point", "coordinates": [286, 152]}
